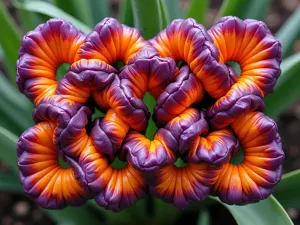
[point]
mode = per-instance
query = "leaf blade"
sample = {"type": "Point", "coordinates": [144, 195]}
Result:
{"type": "Point", "coordinates": [197, 10]}
{"type": "Point", "coordinates": [8, 149]}
{"type": "Point", "coordinates": [287, 191]}
{"type": "Point", "coordinates": [9, 42]}
{"type": "Point", "coordinates": [173, 7]}
{"type": "Point", "coordinates": [147, 17]}
{"type": "Point", "coordinates": [99, 10]}
{"type": "Point", "coordinates": [48, 9]}
{"type": "Point", "coordinates": [292, 28]}
{"type": "Point", "coordinates": [164, 13]}
{"type": "Point", "coordinates": [286, 90]}
{"type": "Point", "coordinates": [14, 107]}
{"type": "Point", "coordinates": [244, 9]}
{"type": "Point", "coordinates": [76, 8]}
{"type": "Point", "coordinates": [126, 14]}
{"type": "Point", "coordinates": [256, 213]}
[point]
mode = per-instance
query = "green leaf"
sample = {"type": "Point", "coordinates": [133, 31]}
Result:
{"type": "Point", "coordinates": [10, 40]}
{"type": "Point", "coordinates": [244, 9]}
{"type": "Point", "coordinates": [198, 10]}
{"type": "Point", "coordinates": [204, 217]}
{"type": "Point", "coordinates": [14, 107]}
{"type": "Point", "coordinates": [77, 8]}
{"type": "Point", "coordinates": [10, 183]}
{"type": "Point", "coordinates": [174, 9]}
{"type": "Point", "coordinates": [8, 150]}
{"type": "Point", "coordinates": [12, 95]}
{"type": "Point", "coordinates": [232, 7]}
{"type": "Point", "coordinates": [28, 20]}
{"type": "Point", "coordinates": [256, 9]}
{"type": "Point", "coordinates": [126, 14]}
{"type": "Point", "coordinates": [164, 213]}
{"type": "Point", "coordinates": [100, 10]}
{"type": "Point", "coordinates": [48, 9]}
{"type": "Point", "coordinates": [124, 217]}
{"type": "Point", "coordinates": [150, 103]}
{"type": "Point", "coordinates": [287, 191]}
{"type": "Point", "coordinates": [164, 13]}
{"type": "Point", "coordinates": [74, 216]}
{"type": "Point", "coordinates": [147, 17]}
{"type": "Point", "coordinates": [287, 89]}
{"type": "Point", "coordinates": [289, 32]}
{"type": "Point", "coordinates": [265, 212]}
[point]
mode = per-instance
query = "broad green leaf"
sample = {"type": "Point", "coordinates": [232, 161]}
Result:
{"type": "Point", "coordinates": [12, 95]}
{"type": "Point", "coordinates": [147, 17]}
{"type": "Point", "coordinates": [126, 15]}
{"type": "Point", "coordinates": [48, 9]}
{"type": "Point", "coordinates": [174, 9]}
{"type": "Point", "coordinates": [287, 191]}
{"type": "Point", "coordinates": [124, 217]}
{"type": "Point", "coordinates": [10, 40]}
{"type": "Point", "coordinates": [75, 216]}
{"type": "Point", "coordinates": [244, 9]}
{"type": "Point", "coordinates": [1, 53]}
{"type": "Point", "coordinates": [232, 8]}
{"type": "Point", "coordinates": [198, 10]}
{"type": "Point", "coordinates": [204, 217]}
{"type": "Point", "coordinates": [256, 9]}
{"type": "Point", "coordinates": [100, 10]}
{"type": "Point", "coordinates": [10, 183]}
{"type": "Point", "coordinates": [8, 149]}
{"type": "Point", "coordinates": [164, 213]}
{"type": "Point", "coordinates": [289, 32]}
{"type": "Point", "coordinates": [14, 107]}
{"type": "Point", "coordinates": [77, 8]}
{"type": "Point", "coordinates": [287, 88]}
{"type": "Point", "coordinates": [164, 13]}
{"type": "Point", "coordinates": [265, 212]}
{"type": "Point", "coordinates": [28, 20]}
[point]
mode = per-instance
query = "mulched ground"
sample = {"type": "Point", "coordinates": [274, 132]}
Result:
{"type": "Point", "coordinates": [18, 210]}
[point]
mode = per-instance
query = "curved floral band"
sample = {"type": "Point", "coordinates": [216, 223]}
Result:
{"type": "Point", "coordinates": [42, 51]}
{"type": "Point", "coordinates": [204, 112]}
{"type": "Point", "coordinates": [43, 179]}
{"type": "Point", "coordinates": [111, 41]}
{"type": "Point", "coordinates": [156, 158]}
{"type": "Point", "coordinates": [188, 41]}
{"type": "Point", "coordinates": [254, 48]}
{"type": "Point", "coordinates": [92, 167]}
{"type": "Point", "coordinates": [178, 96]}
{"type": "Point", "coordinates": [256, 176]}
{"type": "Point", "coordinates": [183, 186]}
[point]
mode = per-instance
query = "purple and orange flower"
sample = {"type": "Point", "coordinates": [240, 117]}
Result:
{"type": "Point", "coordinates": [205, 114]}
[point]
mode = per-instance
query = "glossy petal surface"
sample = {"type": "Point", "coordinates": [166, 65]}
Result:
{"type": "Point", "coordinates": [43, 179]}
{"type": "Point", "coordinates": [256, 176]}
{"type": "Point", "coordinates": [185, 40]}
{"type": "Point", "coordinates": [42, 51]}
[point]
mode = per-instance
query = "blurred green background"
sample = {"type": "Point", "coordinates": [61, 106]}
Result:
{"type": "Point", "coordinates": [150, 16]}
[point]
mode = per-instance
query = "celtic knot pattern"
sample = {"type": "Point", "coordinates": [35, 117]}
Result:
{"type": "Point", "coordinates": [205, 113]}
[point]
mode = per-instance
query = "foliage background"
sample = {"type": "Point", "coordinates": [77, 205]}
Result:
{"type": "Point", "coordinates": [150, 16]}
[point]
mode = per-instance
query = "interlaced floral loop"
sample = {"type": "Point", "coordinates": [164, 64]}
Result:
{"type": "Point", "coordinates": [256, 176]}
{"type": "Point", "coordinates": [251, 44]}
{"type": "Point", "coordinates": [43, 178]}
{"type": "Point", "coordinates": [185, 40]}
{"type": "Point", "coordinates": [42, 51]}
{"type": "Point", "coordinates": [205, 112]}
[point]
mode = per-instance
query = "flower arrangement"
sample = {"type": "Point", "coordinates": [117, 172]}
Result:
{"type": "Point", "coordinates": [149, 112]}
{"type": "Point", "coordinates": [204, 136]}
